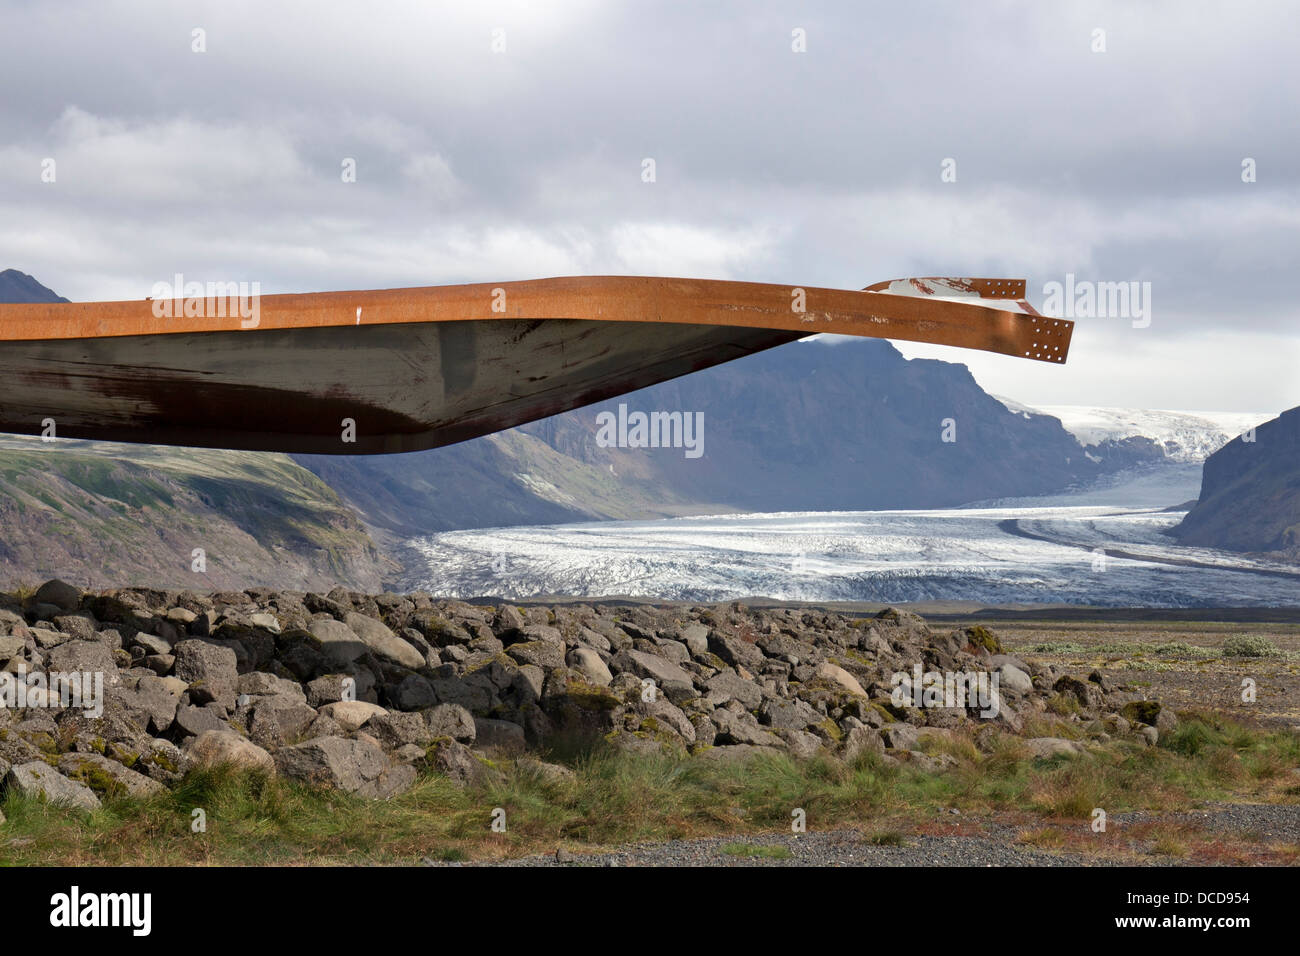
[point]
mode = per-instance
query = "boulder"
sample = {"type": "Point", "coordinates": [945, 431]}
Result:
{"type": "Point", "coordinates": [451, 720]}
{"type": "Point", "coordinates": [1011, 678]}
{"type": "Point", "coordinates": [735, 651]}
{"type": "Point", "coordinates": [728, 685]}
{"type": "Point", "coordinates": [1051, 746]}
{"type": "Point", "coordinates": [191, 720]}
{"type": "Point", "coordinates": [395, 729]}
{"type": "Point", "coordinates": [456, 761]}
{"type": "Point", "coordinates": [737, 753]}
{"type": "Point", "coordinates": [352, 714]}
{"type": "Point", "coordinates": [836, 674]}
{"type": "Point", "coordinates": [38, 780]}
{"type": "Point", "coordinates": [645, 665]}
{"type": "Point", "coordinates": [62, 595]}
{"type": "Point", "coordinates": [498, 735]}
{"type": "Point", "coordinates": [861, 740]}
{"type": "Point", "coordinates": [107, 776]}
{"type": "Point", "coordinates": [355, 766]}
{"type": "Point", "coordinates": [213, 668]}
{"type": "Point", "coordinates": [382, 642]}
{"type": "Point", "coordinates": [589, 664]}
{"type": "Point", "coordinates": [338, 642]}
{"type": "Point", "coordinates": [414, 693]}
{"type": "Point", "coordinates": [84, 657]}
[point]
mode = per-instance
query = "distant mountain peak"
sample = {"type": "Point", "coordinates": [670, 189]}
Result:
{"type": "Point", "coordinates": [18, 286]}
{"type": "Point", "coordinates": [1186, 436]}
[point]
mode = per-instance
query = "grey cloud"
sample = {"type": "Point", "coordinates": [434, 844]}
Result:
{"type": "Point", "coordinates": [820, 168]}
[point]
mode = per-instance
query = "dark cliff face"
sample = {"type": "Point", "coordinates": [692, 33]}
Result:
{"type": "Point", "coordinates": [807, 426]}
{"type": "Point", "coordinates": [18, 286]}
{"type": "Point", "coordinates": [1250, 493]}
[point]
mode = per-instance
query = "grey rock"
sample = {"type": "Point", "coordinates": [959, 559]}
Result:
{"type": "Point", "coordinates": [498, 734]}
{"type": "Point", "coordinates": [153, 696]}
{"type": "Point", "coordinates": [262, 684]}
{"type": "Point", "coordinates": [415, 693]}
{"type": "Point", "coordinates": [728, 685]}
{"type": "Point", "coordinates": [38, 780]}
{"type": "Point", "coordinates": [741, 729]}
{"type": "Point", "coordinates": [860, 740]}
{"type": "Point", "coordinates": [643, 665]}
{"type": "Point", "coordinates": [696, 638]}
{"type": "Point", "coordinates": [736, 652]}
{"type": "Point", "coordinates": [224, 746]}
{"type": "Point", "coordinates": [801, 744]}
{"type": "Point", "coordinates": [456, 761]}
{"type": "Point", "coordinates": [152, 643]}
{"type": "Point", "coordinates": [789, 714]}
{"type": "Point", "coordinates": [1051, 746]}
{"type": "Point", "coordinates": [210, 666]}
{"type": "Point", "coordinates": [737, 753]}
{"type": "Point", "coordinates": [85, 657]}
{"type": "Point", "coordinates": [451, 720]}
{"type": "Point", "coordinates": [543, 654]}
{"type": "Point", "coordinates": [906, 736]}
{"type": "Point", "coordinates": [355, 766]}
{"type": "Point", "coordinates": [59, 593]}
{"type": "Point", "coordinates": [338, 642]}
{"type": "Point", "coordinates": [81, 767]}
{"type": "Point", "coordinates": [394, 729]}
{"type": "Point", "coordinates": [383, 642]}
{"type": "Point", "coordinates": [195, 720]}
{"type": "Point", "coordinates": [79, 626]}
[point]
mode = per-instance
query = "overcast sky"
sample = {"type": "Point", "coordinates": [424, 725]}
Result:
{"type": "Point", "coordinates": [815, 168]}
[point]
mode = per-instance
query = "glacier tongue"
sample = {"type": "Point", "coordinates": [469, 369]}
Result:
{"type": "Point", "coordinates": [1052, 555]}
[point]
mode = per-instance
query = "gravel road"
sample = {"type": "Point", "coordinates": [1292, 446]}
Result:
{"type": "Point", "coordinates": [826, 848]}
{"type": "Point", "coordinates": [997, 846]}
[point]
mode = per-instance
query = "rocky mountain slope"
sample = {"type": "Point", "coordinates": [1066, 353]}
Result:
{"type": "Point", "coordinates": [96, 512]}
{"type": "Point", "coordinates": [362, 692]}
{"type": "Point", "coordinates": [807, 426]}
{"type": "Point", "coordinates": [18, 286]}
{"type": "Point", "coordinates": [1250, 493]}
{"type": "Point", "coordinates": [99, 513]}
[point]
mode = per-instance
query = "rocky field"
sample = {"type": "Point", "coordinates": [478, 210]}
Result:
{"type": "Point", "coordinates": [361, 692]}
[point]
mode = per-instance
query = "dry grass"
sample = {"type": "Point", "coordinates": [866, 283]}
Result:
{"type": "Point", "coordinates": [617, 799]}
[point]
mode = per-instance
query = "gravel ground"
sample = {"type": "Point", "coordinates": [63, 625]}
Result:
{"type": "Point", "coordinates": [1271, 822]}
{"type": "Point", "coordinates": [830, 848]}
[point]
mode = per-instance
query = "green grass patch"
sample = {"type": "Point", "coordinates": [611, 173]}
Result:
{"type": "Point", "coordinates": [757, 851]}
{"type": "Point", "coordinates": [615, 798]}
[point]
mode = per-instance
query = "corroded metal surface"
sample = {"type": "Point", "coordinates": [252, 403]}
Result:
{"type": "Point", "coordinates": [418, 368]}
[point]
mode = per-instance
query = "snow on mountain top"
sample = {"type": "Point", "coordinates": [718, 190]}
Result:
{"type": "Point", "coordinates": [1184, 435]}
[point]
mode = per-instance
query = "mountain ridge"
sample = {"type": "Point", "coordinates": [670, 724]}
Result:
{"type": "Point", "coordinates": [1250, 493]}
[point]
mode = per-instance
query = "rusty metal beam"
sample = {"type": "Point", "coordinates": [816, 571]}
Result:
{"type": "Point", "coordinates": [418, 368]}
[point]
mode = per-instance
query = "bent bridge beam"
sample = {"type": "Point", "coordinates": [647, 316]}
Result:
{"type": "Point", "coordinates": [423, 367]}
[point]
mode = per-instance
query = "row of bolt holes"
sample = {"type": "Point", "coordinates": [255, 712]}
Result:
{"type": "Point", "coordinates": [1055, 348]}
